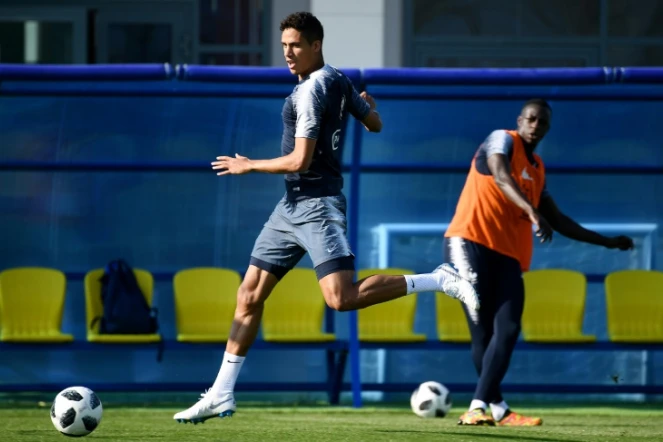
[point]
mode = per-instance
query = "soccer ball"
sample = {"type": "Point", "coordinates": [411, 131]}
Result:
{"type": "Point", "coordinates": [76, 411]}
{"type": "Point", "coordinates": [431, 399]}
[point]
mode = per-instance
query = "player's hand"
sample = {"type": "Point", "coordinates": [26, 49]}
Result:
{"type": "Point", "coordinates": [233, 166]}
{"type": "Point", "coordinates": [369, 100]}
{"type": "Point", "coordinates": [543, 229]}
{"type": "Point", "coordinates": [620, 242]}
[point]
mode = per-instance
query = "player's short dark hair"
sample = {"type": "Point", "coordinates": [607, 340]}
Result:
{"type": "Point", "coordinates": [306, 23]}
{"type": "Point", "coordinates": [537, 102]}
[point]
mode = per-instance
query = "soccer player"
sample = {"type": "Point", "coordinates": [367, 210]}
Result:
{"type": "Point", "coordinates": [311, 217]}
{"type": "Point", "coordinates": [490, 242]}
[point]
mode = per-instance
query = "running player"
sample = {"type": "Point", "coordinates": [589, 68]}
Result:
{"type": "Point", "coordinates": [311, 217]}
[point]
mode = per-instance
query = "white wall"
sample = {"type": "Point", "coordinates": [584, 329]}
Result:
{"type": "Point", "coordinates": [358, 33]}
{"type": "Point", "coordinates": [393, 33]}
{"type": "Point", "coordinates": [354, 31]}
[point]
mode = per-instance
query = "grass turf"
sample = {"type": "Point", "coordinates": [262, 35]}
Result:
{"type": "Point", "coordinates": [292, 424]}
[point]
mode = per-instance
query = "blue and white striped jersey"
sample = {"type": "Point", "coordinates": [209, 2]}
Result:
{"type": "Point", "coordinates": [316, 109]}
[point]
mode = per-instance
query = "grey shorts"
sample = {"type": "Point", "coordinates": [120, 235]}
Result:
{"type": "Point", "coordinates": [316, 226]}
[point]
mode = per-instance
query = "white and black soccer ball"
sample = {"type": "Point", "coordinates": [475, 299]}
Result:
{"type": "Point", "coordinates": [76, 411]}
{"type": "Point", "coordinates": [431, 399]}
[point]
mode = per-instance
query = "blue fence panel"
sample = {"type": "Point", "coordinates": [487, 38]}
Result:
{"type": "Point", "coordinates": [101, 162]}
{"type": "Point", "coordinates": [584, 133]}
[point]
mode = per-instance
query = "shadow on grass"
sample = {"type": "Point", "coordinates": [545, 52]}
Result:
{"type": "Point", "coordinates": [492, 436]}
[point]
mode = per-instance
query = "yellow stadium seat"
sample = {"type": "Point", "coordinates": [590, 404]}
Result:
{"type": "Point", "coordinates": [391, 321]}
{"type": "Point", "coordinates": [295, 310]}
{"type": "Point", "coordinates": [205, 300]}
{"type": "Point", "coordinates": [451, 321]}
{"type": "Point", "coordinates": [32, 301]}
{"type": "Point", "coordinates": [94, 309]}
{"type": "Point", "coordinates": [554, 307]}
{"type": "Point", "coordinates": [634, 304]}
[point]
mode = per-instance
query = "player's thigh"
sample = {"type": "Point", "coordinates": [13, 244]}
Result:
{"type": "Point", "coordinates": [474, 263]}
{"type": "Point", "coordinates": [277, 250]}
{"type": "Point", "coordinates": [274, 254]}
{"type": "Point", "coordinates": [323, 232]}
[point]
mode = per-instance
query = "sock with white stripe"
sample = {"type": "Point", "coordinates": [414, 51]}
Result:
{"type": "Point", "coordinates": [459, 258]}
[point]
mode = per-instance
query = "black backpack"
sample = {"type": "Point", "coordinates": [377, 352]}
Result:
{"type": "Point", "coordinates": [125, 309]}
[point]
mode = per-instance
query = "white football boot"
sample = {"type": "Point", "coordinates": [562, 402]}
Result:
{"type": "Point", "coordinates": [454, 285]}
{"type": "Point", "coordinates": [208, 407]}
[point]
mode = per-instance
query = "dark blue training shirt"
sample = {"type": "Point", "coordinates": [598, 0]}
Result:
{"type": "Point", "coordinates": [316, 110]}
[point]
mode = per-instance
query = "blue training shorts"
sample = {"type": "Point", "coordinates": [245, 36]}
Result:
{"type": "Point", "coordinates": [316, 226]}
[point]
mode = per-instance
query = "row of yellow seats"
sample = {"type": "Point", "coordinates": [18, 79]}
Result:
{"type": "Point", "coordinates": [32, 302]}
{"type": "Point", "coordinates": [32, 299]}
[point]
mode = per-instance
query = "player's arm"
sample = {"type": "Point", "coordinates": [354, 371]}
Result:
{"type": "Point", "coordinates": [296, 161]}
{"type": "Point", "coordinates": [571, 229]}
{"type": "Point", "coordinates": [501, 171]}
{"type": "Point", "coordinates": [372, 122]}
{"type": "Point", "coordinates": [362, 107]}
{"type": "Point", "coordinates": [499, 168]}
{"type": "Point", "coordinates": [299, 160]}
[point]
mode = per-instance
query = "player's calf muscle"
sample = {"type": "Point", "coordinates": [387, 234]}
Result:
{"type": "Point", "coordinates": [343, 295]}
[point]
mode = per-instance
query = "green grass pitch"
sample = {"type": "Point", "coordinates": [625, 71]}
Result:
{"type": "Point", "coordinates": [621, 423]}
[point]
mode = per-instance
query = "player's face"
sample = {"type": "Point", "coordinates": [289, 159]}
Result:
{"type": "Point", "coordinates": [300, 55]}
{"type": "Point", "coordinates": [533, 124]}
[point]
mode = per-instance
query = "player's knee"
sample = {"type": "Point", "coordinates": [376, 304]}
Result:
{"type": "Point", "coordinates": [340, 299]}
{"type": "Point", "coordinates": [339, 305]}
{"type": "Point", "coordinates": [249, 298]}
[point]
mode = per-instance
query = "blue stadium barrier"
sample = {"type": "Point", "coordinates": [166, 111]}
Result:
{"type": "Point", "coordinates": [238, 74]}
{"type": "Point", "coordinates": [246, 74]}
{"type": "Point", "coordinates": [626, 84]}
{"type": "Point", "coordinates": [467, 93]}
{"type": "Point", "coordinates": [100, 72]}
{"type": "Point", "coordinates": [334, 385]}
{"type": "Point", "coordinates": [488, 76]}
{"type": "Point", "coordinates": [652, 75]}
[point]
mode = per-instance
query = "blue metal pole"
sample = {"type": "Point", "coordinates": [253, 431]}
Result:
{"type": "Point", "coordinates": [353, 235]}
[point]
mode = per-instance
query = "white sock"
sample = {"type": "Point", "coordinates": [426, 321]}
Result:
{"type": "Point", "coordinates": [476, 403]}
{"type": "Point", "coordinates": [499, 410]}
{"type": "Point", "coordinates": [426, 282]}
{"type": "Point", "coordinates": [225, 380]}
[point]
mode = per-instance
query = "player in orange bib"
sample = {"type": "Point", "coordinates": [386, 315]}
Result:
{"type": "Point", "coordinates": [490, 242]}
